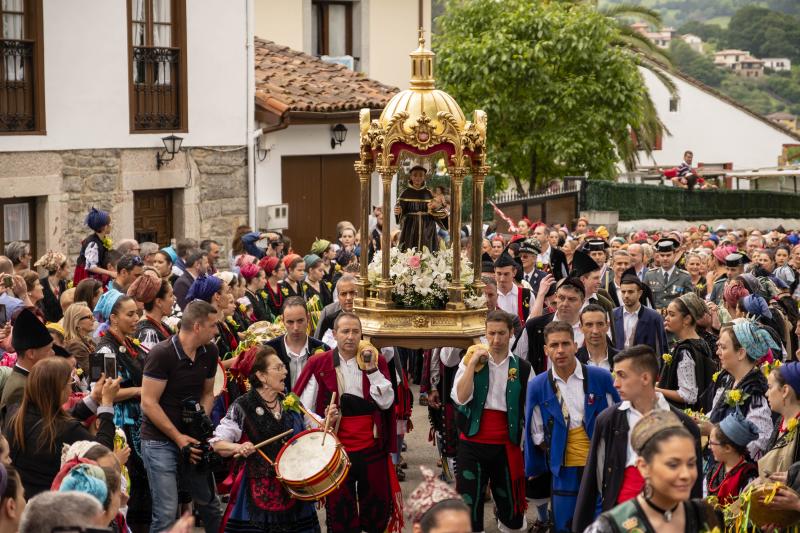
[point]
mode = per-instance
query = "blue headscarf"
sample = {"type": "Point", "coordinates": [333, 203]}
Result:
{"type": "Point", "coordinates": [96, 219]}
{"type": "Point", "coordinates": [790, 372]}
{"type": "Point", "coordinates": [170, 251]}
{"type": "Point", "coordinates": [204, 288]}
{"type": "Point", "coordinates": [756, 305]}
{"type": "Point", "coordinates": [738, 429]}
{"type": "Point", "coordinates": [755, 340]}
{"type": "Point", "coordinates": [86, 478]}
{"type": "Point", "coordinates": [102, 310]}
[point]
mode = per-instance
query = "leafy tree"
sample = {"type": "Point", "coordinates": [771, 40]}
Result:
{"type": "Point", "coordinates": [559, 96]}
{"type": "Point", "coordinates": [765, 33]}
{"type": "Point", "coordinates": [707, 32]}
{"type": "Point", "coordinates": [698, 66]}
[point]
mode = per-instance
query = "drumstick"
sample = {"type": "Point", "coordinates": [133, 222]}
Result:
{"type": "Point", "coordinates": [327, 418]}
{"type": "Point", "coordinates": [270, 440]}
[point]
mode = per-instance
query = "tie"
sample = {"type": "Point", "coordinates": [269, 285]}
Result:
{"type": "Point", "coordinates": [666, 278]}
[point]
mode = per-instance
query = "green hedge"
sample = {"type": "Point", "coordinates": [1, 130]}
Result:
{"type": "Point", "coordinates": [635, 202]}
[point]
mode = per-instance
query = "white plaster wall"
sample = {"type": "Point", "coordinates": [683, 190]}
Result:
{"type": "Point", "coordinates": [86, 77]}
{"type": "Point", "coordinates": [304, 140]}
{"type": "Point", "coordinates": [714, 130]}
{"type": "Point", "coordinates": [283, 21]}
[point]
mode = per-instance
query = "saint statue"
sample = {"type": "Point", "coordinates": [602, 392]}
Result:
{"type": "Point", "coordinates": [419, 213]}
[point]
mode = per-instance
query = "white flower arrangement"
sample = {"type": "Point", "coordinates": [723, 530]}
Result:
{"type": "Point", "coordinates": [421, 278]}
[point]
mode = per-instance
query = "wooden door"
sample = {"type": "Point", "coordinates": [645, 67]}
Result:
{"type": "Point", "coordinates": [152, 216]}
{"type": "Point", "coordinates": [320, 191]}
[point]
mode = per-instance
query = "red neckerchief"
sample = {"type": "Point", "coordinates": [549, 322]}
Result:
{"type": "Point", "coordinates": [127, 343]}
{"type": "Point", "coordinates": [273, 295]}
{"type": "Point", "coordinates": [159, 326]}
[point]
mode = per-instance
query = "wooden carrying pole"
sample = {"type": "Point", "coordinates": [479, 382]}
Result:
{"type": "Point", "coordinates": [327, 419]}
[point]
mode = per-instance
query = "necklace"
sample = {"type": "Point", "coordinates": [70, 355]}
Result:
{"type": "Point", "coordinates": [275, 297]}
{"type": "Point", "coordinates": [666, 512]}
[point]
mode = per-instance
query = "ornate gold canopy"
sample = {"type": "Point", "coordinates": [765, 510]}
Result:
{"type": "Point", "coordinates": [422, 121]}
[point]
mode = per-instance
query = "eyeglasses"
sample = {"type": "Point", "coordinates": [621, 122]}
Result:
{"type": "Point", "coordinates": [87, 317]}
{"type": "Point", "coordinates": [277, 367]}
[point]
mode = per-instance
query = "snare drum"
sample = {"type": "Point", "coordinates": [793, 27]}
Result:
{"type": "Point", "coordinates": [310, 470]}
{"type": "Point", "coordinates": [220, 380]}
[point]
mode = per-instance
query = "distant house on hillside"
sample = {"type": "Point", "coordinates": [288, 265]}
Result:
{"type": "Point", "coordinates": [660, 38]}
{"type": "Point", "coordinates": [787, 120]}
{"type": "Point", "coordinates": [694, 42]}
{"type": "Point", "coordinates": [740, 62]}
{"type": "Point", "coordinates": [728, 58]}
{"type": "Point", "coordinates": [719, 130]}
{"type": "Point", "coordinates": [778, 64]}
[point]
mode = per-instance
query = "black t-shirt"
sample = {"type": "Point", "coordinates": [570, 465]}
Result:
{"type": "Point", "coordinates": [184, 379]}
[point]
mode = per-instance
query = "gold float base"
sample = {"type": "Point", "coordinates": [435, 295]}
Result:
{"type": "Point", "coordinates": [419, 328]}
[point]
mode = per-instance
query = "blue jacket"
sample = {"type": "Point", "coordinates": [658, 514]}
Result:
{"type": "Point", "coordinates": [597, 383]}
{"type": "Point", "coordinates": [649, 330]}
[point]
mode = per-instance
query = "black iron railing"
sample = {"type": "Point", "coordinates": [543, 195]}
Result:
{"type": "Point", "coordinates": [156, 88]}
{"type": "Point", "coordinates": [17, 89]}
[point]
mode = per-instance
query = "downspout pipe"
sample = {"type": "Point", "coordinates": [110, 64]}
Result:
{"type": "Point", "coordinates": [250, 98]}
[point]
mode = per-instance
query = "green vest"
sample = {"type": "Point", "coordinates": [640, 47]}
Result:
{"type": "Point", "coordinates": [473, 410]}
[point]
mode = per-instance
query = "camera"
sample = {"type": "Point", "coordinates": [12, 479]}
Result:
{"type": "Point", "coordinates": [198, 425]}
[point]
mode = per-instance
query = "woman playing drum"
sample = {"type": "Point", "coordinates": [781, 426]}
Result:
{"type": "Point", "coordinates": [259, 503]}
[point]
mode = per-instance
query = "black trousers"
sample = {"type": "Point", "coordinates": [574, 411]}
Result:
{"type": "Point", "coordinates": [477, 465]}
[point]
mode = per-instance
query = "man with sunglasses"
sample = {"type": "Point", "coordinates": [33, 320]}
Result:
{"type": "Point", "coordinates": [129, 267]}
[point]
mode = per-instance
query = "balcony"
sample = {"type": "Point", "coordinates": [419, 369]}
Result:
{"type": "Point", "coordinates": [17, 86]}
{"type": "Point", "coordinates": [156, 93]}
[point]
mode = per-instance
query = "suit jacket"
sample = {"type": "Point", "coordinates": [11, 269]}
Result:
{"type": "Point", "coordinates": [181, 288]}
{"type": "Point", "coordinates": [678, 284]}
{"type": "Point", "coordinates": [609, 454]}
{"type": "Point", "coordinates": [326, 319]}
{"type": "Point", "coordinates": [649, 330]}
{"type": "Point", "coordinates": [279, 346]}
{"type": "Point", "coordinates": [582, 355]}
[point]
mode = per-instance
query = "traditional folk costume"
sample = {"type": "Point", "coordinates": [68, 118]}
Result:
{"type": "Point", "coordinates": [93, 249]}
{"type": "Point", "coordinates": [261, 310]}
{"type": "Point", "coordinates": [258, 501]}
{"type": "Point", "coordinates": [491, 427]}
{"type": "Point", "coordinates": [440, 367]}
{"type": "Point", "coordinates": [629, 517]}
{"type": "Point", "coordinates": [370, 499]}
{"type": "Point", "coordinates": [605, 481]}
{"type": "Point", "coordinates": [561, 417]}
{"type": "Point", "coordinates": [688, 370]}
{"type": "Point", "coordinates": [782, 449]}
{"type": "Point", "coordinates": [150, 332]}
{"type": "Point", "coordinates": [274, 299]}
{"type": "Point", "coordinates": [725, 484]}
{"type": "Point", "coordinates": [418, 222]}
{"type": "Point", "coordinates": [128, 417]}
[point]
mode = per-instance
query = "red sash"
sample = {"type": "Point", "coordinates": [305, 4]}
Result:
{"type": "Point", "coordinates": [494, 430]}
{"type": "Point", "coordinates": [632, 484]}
{"type": "Point", "coordinates": [519, 306]}
{"type": "Point", "coordinates": [356, 433]}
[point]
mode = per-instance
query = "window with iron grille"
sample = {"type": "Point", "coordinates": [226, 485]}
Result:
{"type": "Point", "coordinates": [157, 59]}
{"type": "Point", "coordinates": [21, 67]}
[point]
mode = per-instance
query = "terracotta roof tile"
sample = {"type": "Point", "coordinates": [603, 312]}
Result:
{"type": "Point", "coordinates": [290, 80]}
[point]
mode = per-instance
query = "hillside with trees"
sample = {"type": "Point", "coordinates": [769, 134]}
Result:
{"type": "Point", "coordinates": [676, 13]}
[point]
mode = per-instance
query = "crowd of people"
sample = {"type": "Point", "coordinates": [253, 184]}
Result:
{"type": "Point", "coordinates": [624, 381]}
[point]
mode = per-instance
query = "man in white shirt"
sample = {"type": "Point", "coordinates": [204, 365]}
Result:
{"type": "Point", "coordinates": [295, 347]}
{"type": "Point", "coordinates": [489, 393]}
{"type": "Point", "coordinates": [511, 298]}
{"type": "Point", "coordinates": [560, 413]}
{"type": "Point", "coordinates": [611, 472]}
{"type": "Point", "coordinates": [364, 394]}
{"type": "Point", "coordinates": [597, 349]}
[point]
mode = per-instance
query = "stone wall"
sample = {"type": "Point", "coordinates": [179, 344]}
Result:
{"type": "Point", "coordinates": [90, 178]}
{"type": "Point", "coordinates": [209, 187]}
{"type": "Point", "coordinates": [222, 191]}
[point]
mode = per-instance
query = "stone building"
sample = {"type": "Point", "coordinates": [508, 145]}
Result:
{"type": "Point", "coordinates": [83, 115]}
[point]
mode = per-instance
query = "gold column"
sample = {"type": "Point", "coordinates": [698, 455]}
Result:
{"type": "Point", "coordinates": [363, 171]}
{"type": "Point", "coordinates": [455, 292]}
{"type": "Point", "coordinates": [478, 176]}
{"type": "Point", "coordinates": [385, 285]}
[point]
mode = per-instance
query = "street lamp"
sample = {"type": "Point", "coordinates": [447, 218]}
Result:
{"type": "Point", "coordinates": [172, 144]}
{"type": "Point", "coordinates": [338, 135]}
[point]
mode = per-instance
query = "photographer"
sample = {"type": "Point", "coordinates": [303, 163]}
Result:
{"type": "Point", "coordinates": [177, 372]}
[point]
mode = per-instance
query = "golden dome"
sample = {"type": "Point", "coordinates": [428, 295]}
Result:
{"type": "Point", "coordinates": [422, 96]}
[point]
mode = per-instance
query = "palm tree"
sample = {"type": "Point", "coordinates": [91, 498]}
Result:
{"type": "Point", "coordinates": [649, 56]}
